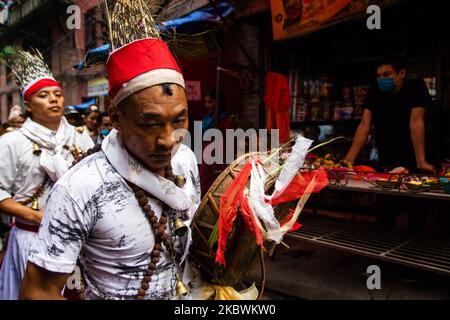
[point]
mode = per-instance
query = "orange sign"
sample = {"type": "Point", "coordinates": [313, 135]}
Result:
{"type": "Point", "coordinates": [294, 17]}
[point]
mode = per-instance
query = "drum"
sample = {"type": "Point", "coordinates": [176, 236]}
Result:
{"type": "Point", "coordinates": [242, 251]}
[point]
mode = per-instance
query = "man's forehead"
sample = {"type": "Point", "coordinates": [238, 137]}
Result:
{"type": "Point", "coordinates": [50, 89]}
{"type": "Point", "coordinates": [159, 111]}
{"type": "Point", "coordinates": [163, 110]}
{"type": "Point", "coordinates": [154, 102]}
{"type": "Point", "coordinates": [158, 93]}
{"type": "Point", "coordinates": [385, 67]}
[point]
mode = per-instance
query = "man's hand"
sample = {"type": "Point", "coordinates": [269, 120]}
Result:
{"type": "Point", "coordinates": [35, 217]}
{"type": "Point", "coordinates": [417, 127]}
{"type": "Point", "coordinates": [427, 168]}
{"type": "Point", "coordinates": [18, 210]}
{"type": "Point", "coordinates": [349, 160]}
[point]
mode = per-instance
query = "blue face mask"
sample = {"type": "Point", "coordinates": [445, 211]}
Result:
{"type": "Point", "coordinates": [104, 132]}
{"type": "Point", "coordinates": [386, 84]}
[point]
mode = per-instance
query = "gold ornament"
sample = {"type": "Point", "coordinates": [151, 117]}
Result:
{"type": "Point", "coordinates": [36, 149]}
{"type": "Point", "coordinates": [180, 181]}
{"type": "Point", "coordinates": [35, 205]}
{"type": "Point", "coordinates": [181, 288]}
{"type": "Point", "coordinates": [179, 227]}
{"type": "Point", "coordinates": [76, 150]}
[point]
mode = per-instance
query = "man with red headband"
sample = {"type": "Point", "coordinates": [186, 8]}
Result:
{"type": "Point", "coordinates": [31, 160]}
{"type": "Point", "coordinates": [124, 211]}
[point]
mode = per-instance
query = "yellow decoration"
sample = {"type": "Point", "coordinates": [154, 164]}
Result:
{"type": "Point", "coordinates": [36, 149]}
{"type": "Point", "coordinates": [35, 205]}
{"type": "Point", "coordinates": [217, 292]}
{"type": "Point", "coordinates": [181, 289]}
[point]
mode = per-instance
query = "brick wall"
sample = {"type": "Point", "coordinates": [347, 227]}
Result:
{"type": "Point", "coordinates": [64, 56]}
{"type": "Point", "coordinates": [68, 49]}
{"type": "Point", "coordinates": [5, 90]}
{"type": "Point", "coordinates": [85, 5]}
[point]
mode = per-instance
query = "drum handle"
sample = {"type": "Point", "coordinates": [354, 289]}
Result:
{"type": "Point", "coordinates": [263, 274]}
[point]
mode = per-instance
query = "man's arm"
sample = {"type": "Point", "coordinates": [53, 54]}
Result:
{"type": "Point", "coordinates": [9, 164]}
{"type": "Point", "coordinates": [360, 136]}
{"type": "Point", "coordinates": [417, 128]}
{"type": "Point", "coordinates": [40, 284]}
{"type": "Point", "coordinates": [15, 209]}
{"type": "Point", "coordinates": [54, 253]}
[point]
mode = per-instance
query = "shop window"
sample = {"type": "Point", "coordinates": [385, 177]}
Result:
{"type": "Point", "coordinates": [431, 85]}
{"type": "Point", "coordinates": [90, 22]}
{"type": "Point", "coordinates": [9, 100]}
{"type": "Point", "coordinates": [9, 75]}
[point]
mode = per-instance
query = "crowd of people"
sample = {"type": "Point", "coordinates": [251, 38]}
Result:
{"type": "Point", "coordinates": [97, 124]}
{"type": "Point", "coordinates": [37, 149]}
{"type": "Point", "coordinates": [17, 226]}
{"type": "Point", "coordinates": [105, 193]}
{"type": "Point", "coordinates": [102, 192]}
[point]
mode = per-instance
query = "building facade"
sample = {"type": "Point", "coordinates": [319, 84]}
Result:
{"type": "Point", "coordinates": [43, 24]}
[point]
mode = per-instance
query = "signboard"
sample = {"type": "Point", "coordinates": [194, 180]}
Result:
{"type": "Point", "coordinates": [193, 91]}
{"type": "Point", "coordinates": [296, 17]}
{"type": "Point", "coordinates": [97, 87]}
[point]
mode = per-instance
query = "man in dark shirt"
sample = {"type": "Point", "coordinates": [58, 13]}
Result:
{"type": "Point", "coordinates": [396, 109]}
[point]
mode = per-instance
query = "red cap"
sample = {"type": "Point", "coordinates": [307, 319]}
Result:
{"type": "Point", "coordinates": [139, 65]}
{"type": "Point", "coordinates": [37, 85]}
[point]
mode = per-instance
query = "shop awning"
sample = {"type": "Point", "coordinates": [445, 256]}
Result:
{"type": "Point", "coordinates": [5, 7]}
{"type": "Point", "coordinates": [84, 105]}
{"type": "Point", "coordinates": [197, 19]}
{"type": "Point", "coordinates": [94, 56]}
{"type": "Point", "coordinates": [193, 22]}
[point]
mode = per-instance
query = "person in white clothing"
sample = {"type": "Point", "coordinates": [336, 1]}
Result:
{"type": "Point", "coordinates": [100, 222]}
{"type": "Point", "coordinates": [32, 158]}
{"type": "Point", "coordinates": [120, 212]}
{"type": "Point", "coordinates": [16, 118]}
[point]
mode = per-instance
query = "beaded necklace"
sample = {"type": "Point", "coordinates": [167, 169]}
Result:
{"type": "Point", "coordinates": [161, 237]}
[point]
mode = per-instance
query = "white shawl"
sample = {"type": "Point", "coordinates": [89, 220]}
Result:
{"type": "Point", "coordinates": [52, 144]}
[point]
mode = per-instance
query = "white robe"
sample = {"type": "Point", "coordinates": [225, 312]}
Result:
{"type": "Point", "coordinates": [20, 175]}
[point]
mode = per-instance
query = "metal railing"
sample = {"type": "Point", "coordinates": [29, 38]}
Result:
{"type": "Point", "coordinates": [422, 250]}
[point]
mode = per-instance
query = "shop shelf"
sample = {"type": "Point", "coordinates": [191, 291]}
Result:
{"type": "Point", "coordinates": [425, 250]}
